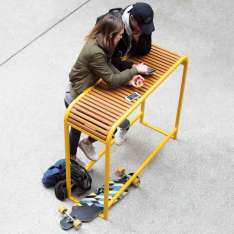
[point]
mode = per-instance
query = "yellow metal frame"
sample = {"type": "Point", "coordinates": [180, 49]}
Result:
{"type": "Point", "coordinates": [109, 140]}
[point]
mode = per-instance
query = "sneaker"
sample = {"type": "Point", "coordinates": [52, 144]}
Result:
{"type": "Point", "coordinates": [80, 162]}
{"type": "Point", "coordinates": [88, 149]}
{"type": "Point", "coordinates": [120, 136]}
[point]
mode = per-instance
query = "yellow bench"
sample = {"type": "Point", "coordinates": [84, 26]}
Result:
{"type": "Point", "coordinates": [98, 111]}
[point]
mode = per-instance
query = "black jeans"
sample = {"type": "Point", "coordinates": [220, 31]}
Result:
{"type": "Point", "coordinates": [74, 135]}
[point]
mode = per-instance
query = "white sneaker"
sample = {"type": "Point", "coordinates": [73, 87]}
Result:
{"type": "Point", "coordinates": [88, 149]}
{"type": "Point", "coordinates": [80, 162]}
{"type": "Point", "coordinates": [120, 136]}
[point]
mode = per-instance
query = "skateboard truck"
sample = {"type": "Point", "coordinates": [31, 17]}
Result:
{"type": "Point", "coordinates": [76, 222]}
{"type": "Point", "coordinates": [121, 172]}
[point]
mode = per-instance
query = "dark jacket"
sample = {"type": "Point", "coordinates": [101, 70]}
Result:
{"type": "Point", "coordinates": [94, 63]}
{"type": "Point", "coordinates": [140, 48]}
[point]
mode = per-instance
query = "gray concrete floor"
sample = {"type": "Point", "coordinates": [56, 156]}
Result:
{"type": "Point", "coordinates": [189, 186]}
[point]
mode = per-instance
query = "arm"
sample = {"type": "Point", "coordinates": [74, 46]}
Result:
{"type": "Point", "coordinates": [101, 68]}
{"type": "Point", "coordinates": [114, 69]}
{"type": "Point", "coordinates": [119, 64]}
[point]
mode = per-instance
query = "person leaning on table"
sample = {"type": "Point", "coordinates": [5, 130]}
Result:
{"type": "Point", "coordinates": [94, 62]}
{"type": "Point", "coordinates": [138, 19]}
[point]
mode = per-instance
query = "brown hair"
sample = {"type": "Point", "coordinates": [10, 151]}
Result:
{"type": "Point", "coordinates": [105, 31]}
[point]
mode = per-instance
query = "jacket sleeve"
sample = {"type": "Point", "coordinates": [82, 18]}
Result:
{"type": "Point", "coordinates": [101, 68]}
{"type": "Point", "coordinates": [114, 69]}
{"type": "Point", "coordinates": [121, 65]}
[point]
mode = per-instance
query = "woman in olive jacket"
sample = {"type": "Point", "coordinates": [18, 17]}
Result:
{"type": "Point", "coordinates": [93, 63]}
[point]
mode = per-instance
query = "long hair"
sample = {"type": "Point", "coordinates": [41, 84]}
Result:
{"type": "Point", "coordinates": [105, 31]}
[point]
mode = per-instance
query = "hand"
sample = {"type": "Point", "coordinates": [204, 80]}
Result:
{"type": "Point", "coordinates": [137, 81]}
{"type": "Point", "coordinates": [141, 68]}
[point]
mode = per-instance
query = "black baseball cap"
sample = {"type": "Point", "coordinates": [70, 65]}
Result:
{"type": "Point", "coordinates": [144, 15]}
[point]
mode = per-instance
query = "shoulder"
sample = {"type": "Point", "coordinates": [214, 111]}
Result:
{"type": "Point", "coordinates": [93, 49]}
{"type": "Point", "coordinates": [92, 52]}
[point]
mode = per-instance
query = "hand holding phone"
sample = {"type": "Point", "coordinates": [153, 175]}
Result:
{"type": "Point", "coordinates": [144, 69]}
{"type": "Point", "coordinates": [141, 68]}
{"type": "Point", "coordinates": [150, 71]}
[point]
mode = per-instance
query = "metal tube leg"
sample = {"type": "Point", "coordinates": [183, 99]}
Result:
{"type": "Point", "coordinates": [179, 107]}
{"type": "Point", "coordinates": [67, 159]}
{"type": "Point", "coordinates": [142, 112]}
{"type": "Point", "coordinates": [106, 181]}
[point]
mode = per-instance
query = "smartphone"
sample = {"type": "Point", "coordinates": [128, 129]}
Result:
{"type": "Point", "coordinates": [151, 71]}
{"type": "Point", "coordinates": [133, 96]}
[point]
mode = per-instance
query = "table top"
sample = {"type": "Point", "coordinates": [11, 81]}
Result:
{"type": "Point", "coordinates": [100, 109]}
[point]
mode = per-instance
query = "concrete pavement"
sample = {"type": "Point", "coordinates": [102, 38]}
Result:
{"type": "Point", "coordinates": [188, 188]}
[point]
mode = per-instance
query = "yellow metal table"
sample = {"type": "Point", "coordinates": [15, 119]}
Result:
{"type": "Point", "coordinates": [98, 111]}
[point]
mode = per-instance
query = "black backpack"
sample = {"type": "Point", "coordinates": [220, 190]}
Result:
{"type": "Point", "coordinates": [114, 11]}
{"type": "Point", "coordinates": [56, 176]}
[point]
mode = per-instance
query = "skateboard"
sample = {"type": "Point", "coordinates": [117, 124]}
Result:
{"type": "Point", "coordinates": [93, 204]}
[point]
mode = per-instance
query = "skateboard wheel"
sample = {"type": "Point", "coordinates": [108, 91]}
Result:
{"type": "Point", "coordinates": [120, 171]}
{"type": "Point", "coordinates": [77, 223]}
{"type": "Point", "coordinates": [136, 182]}
{"type": "Point", "coordinates": [62, 210]}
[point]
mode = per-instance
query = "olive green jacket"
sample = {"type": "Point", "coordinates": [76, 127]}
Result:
{"type": "Point", "coordinates": [93, 63]}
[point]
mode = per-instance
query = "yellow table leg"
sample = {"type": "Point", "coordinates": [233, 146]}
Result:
{"type": "Point", "coordinates": [179, 108]}
{"type": "Point", "coordinates": [67, 159]}
{"type": "Point", "coordinates": [106, 180]}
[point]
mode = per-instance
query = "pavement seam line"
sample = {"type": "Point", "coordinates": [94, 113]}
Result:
{"type": "Point", "coordinates": [43, 33]}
